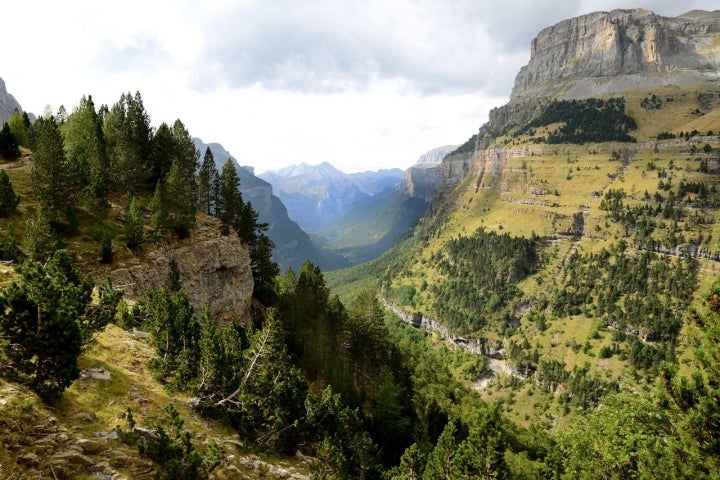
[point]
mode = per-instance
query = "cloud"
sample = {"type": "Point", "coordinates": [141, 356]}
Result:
{"type": "Point", "coordinates": [328, 47]}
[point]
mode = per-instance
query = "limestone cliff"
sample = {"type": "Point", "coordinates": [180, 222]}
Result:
{"type": "Point", "coordinates": [628, 47]}
{"type": "Point", "coordinates": [214, 270]}
{"type": "Point", "coordinates": [424, 178]}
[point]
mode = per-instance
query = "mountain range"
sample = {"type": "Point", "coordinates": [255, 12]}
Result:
{"type": "Point", "coordinates": [317, 195]}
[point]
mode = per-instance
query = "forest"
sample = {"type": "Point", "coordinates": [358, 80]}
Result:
{"type": "Point", "coordinates": [346, 382]}
{"type": "Point", "coordinates": [583, 121]}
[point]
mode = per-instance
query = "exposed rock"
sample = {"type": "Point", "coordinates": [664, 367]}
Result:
{"type": "Point", "coordinates": [95, 374]}
{"type": "Point", "coordinates": [568, 56]}
{"type": "Point", "coordinates": [424, 178]}
{"type": "Point", "coordinates": [8, 104]}
{"type": "Point", "coordinates": [214, 270]}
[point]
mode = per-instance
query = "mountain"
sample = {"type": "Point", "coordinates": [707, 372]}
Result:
{"type": "Point", "coordinates": [424, 178]}
{"type": "Point", "coordinates": [292, 244]}
{"type": "Point", "coordinates": [621, 50]}
{"type": "Point", "coordinates": [373, 183]}
{"type": "Point", "coordinates": [573, 238]}
{"type": "Point", "coordinates": [317, 195]}
{"type": "Point", "coordinates": [8, 104]}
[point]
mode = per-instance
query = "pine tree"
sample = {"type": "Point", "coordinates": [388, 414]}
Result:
{"type": "Point", "coordinates": [133, 224]}
{"type": "Point", "coordinates": [159, 208]}
{"type": "Point", "coordinates": [39, 241]}
{"type": "Point", "coordinates": [19, 129]}
{"type": "Point", "coordinates": [41, 319]}
{"type": "Point", "coordinates": [86, 151]}
{"type": "Point", "coordinates": [8, 200]}
{"type": "Point", "coordinates": [180, 199]}
{"type": "Point", "coordinates": [8, 143]}
{"type": "Point", "coordinates": [230, 203]}
{"type": "Point", "coordinates": [128, 135]}
{"type": "Point", "coordinates": [206, 179]}
{"type": "Point", "coordinates": [52, 180]}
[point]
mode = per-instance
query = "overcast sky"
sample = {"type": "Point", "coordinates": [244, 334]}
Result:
{"type": "Point", "coordinates": [362, 84]}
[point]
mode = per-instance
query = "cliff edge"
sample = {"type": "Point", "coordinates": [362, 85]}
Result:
{"type": "Point", "coordinates": [620, 50]}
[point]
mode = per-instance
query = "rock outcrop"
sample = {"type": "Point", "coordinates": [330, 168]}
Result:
{"type": "Point", "coordinates": [627, 48]}
{"type": "Point", "coordinates": [8, 104]}
{"type": "Point", "coordinates": [424, 178]}
{"type": "Point", "coordinates": [214, 270]}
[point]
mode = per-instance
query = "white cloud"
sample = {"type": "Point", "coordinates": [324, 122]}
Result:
{"type": "Point", "coordinates": [364, 84]}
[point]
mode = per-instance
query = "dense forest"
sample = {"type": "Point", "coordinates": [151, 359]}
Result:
{"type": "Point", "coordinates": [583, 121]}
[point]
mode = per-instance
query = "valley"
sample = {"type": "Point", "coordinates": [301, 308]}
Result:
{"type": "Point", "coordinates": [542, 301]}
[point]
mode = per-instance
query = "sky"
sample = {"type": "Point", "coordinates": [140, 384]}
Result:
{"type": "Point", "coordinates": [362, 84]}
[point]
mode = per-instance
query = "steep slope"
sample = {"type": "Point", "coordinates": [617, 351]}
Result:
{"type": "Point", "coordinates": [591, 208]}
{"type": "Point", "coordinates": [292, 245]}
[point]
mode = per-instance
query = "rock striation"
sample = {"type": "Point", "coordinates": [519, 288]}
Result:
{"type": "Point", "coordinates": [630, 47]}
{"type": "Point", "coordinates": [214, 271]}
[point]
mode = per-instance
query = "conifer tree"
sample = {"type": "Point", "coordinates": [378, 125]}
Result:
{"type": "Point", "coordinates": [207, 179]}
{"type": "Point", "coordinates": [42, 319]}
{"type": "Point", "coordinates": [8, 144]}
{"type": "Point", "coordinates": [86, 151]}
{"type": "Point", "coordinates": [8, 200]}
{"type": "Point", "coordinates": [52, 181]}
{"type": "Point", "coordinates": [180, 198]}
{"type": "Point", "coordinates": [230, 203]}
{"type": "Point", "coordinates": [18, 128]}
{"type": "Point", "coordinates": [159, 208]}
{"type": "Point", "coordinates": [39, 241]}
{"type": "Point", "coordinates": [128, 134]}
{"type": "Point", "coordinates": [133, 224]}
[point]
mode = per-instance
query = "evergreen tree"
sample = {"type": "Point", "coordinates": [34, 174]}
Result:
{"type": "Point", "coordinates": [179, 193]}
{"type": "Point", "coordinates": [230, 203]}
{"type": "Point", "coordinates": [8, 143]}
{"type": "Point", "coordinates": [52, 180]}
{"type": "Point", "coordinates": [19, 128]}
{"type": "Point", "coordinates": [86, 151]}
{"type": "Point", "coordinates": [39, 241]}
{"type": "Point", "coordinates": [163, 153]}
{"type": "Point", "coordinates": [41, 319]}
{"type": "Point", "coordinates": [8, 200]}
{"type": "Point", "coordinates": [185, 155]}
{"type": "Point", "coordinates": [441, 460]}
{"type": "Point", "coordinates": [206, 180]}
{"type": "Point", "coordinates": [159, 208]}
{"type": "Point", "coordinates": [176, 335]}
{"type": "Point", "coordinates": [133, 224]}
{"type": "Point", "coordinates": [128, 134]}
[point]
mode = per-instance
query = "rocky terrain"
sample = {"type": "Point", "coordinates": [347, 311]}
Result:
{"type": "Point", "coordinates": [214, 270]}
{"type": "Point", "coordinates": [425, 177]}
{"type": "Point", "coordinates": [612, 52]}
{"type": "Point", "coordinates": [8, 104]}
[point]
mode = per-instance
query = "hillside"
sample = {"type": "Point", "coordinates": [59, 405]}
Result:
{"type": "Point", "coordinates": [292, 245]}
{"type": "Point", "coordinates": [554, 313]}
{"type": "Point", "coordinates": [588, 205]}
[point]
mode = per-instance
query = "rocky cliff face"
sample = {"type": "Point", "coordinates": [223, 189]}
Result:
{"type": "Point", "coordinates": [8, 104]}
{"type": "Point", "coordinates": [424, 178]}
{"type": "Point", "coordinates": [214, 270]}
{"type": "Point", "coordinates": [566, 57]}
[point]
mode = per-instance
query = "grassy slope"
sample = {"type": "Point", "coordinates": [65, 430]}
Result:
{"type": "Point", "coordinates": [573, 178]}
